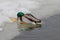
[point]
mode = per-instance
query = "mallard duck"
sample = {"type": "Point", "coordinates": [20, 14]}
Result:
{"type": "Point", "coordinates": [22, 24]}
{"type": "Point", "coordinates": [26, 25]}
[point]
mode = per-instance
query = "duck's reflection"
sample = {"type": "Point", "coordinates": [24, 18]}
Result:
{"type": "Point", "coordinates": [28, 27]}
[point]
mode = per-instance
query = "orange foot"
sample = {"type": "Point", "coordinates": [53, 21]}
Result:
{"type": "Point", "coordinates": [22, 22]}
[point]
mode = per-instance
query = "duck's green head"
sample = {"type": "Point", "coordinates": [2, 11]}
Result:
{"type": "Point", "coordinates": [20, 14]}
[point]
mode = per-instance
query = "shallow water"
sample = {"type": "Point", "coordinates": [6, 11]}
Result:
{"type": "Point", "coordinates": [46, 10]}
{"type": "Point", "coordinates": [9, 31]}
